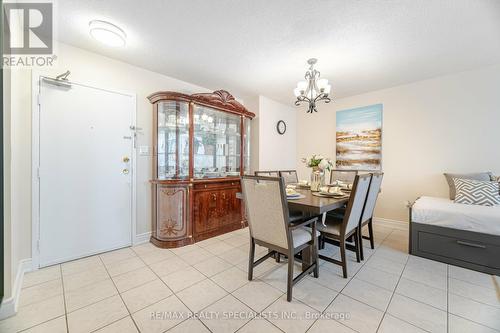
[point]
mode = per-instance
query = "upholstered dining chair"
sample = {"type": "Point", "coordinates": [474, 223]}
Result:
{"type": "Point", "coordinates": [336, 230]}
{"type": "Point", "coordinates": [270, 226]}
{"type": "Point", "coordinates": [290, 176]}
{"type": "Point", "coordinates": [267, 173]}
{"type": "Point", "coordinates": [346, 176]}
{"type": "Point", "coordinates": [367, 217]}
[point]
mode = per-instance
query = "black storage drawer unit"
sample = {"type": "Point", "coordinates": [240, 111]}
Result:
{"type": "Point", "coordinates": [463, 248]}
{"type": "Point", "coordinates": [467, 250]}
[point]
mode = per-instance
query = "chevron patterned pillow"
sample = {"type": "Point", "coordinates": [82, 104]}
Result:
{"type": "Point", "coordinates": [476, 192]}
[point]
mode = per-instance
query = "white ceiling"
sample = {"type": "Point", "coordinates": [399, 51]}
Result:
{"type": "Point", "coordinates": [252, 47]}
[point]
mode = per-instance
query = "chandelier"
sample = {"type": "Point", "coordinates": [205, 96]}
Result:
{"type": "Point", "coordinates": [313, 89]}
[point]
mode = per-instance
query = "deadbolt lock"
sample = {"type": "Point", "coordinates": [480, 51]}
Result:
{"type": "Point", "coordinates": [126, 159]}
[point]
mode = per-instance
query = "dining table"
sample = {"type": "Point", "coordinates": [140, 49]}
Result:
{"type": "Point", "coordinates": [312, 204]}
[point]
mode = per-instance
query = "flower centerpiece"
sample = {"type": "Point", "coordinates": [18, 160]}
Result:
{"type": "Point", "coordinates": [318, 164]}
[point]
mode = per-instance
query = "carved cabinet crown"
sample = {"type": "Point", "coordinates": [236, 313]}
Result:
{"type": "Point", "coordinates": [220, 99]}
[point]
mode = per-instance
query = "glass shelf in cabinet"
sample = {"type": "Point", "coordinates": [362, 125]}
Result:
{"type": "Point", "coordinates": [212, 155]}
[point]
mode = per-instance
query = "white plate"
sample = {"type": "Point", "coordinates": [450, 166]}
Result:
{"type": "Point", "coordinates": [332, 194]}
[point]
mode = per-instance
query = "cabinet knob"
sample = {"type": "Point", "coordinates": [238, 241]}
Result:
{"type": "Point", "coordinates": [205, 186]}
{"type": "Point", "coordinates": [214, 196]}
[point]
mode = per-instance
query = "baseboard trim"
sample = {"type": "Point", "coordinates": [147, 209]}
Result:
{"type": "Point", "coordinates": [394, 224]}
{"type": "Point", "coordinates": [8, 308]}
{"type": "Point", "coordinates": [142, 238]}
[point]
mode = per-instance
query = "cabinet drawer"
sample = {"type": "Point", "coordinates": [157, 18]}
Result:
{"type": "Point", "coordinates": [471, 251]}
{"type": "Point", "coordinates": [217, 185]}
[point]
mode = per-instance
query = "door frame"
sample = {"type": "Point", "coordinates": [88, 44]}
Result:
{"type": "Point", "coordinates": [36, 76]}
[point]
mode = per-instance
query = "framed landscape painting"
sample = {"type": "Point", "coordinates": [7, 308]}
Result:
{"type": "Point", "coordinates": [359, 138]}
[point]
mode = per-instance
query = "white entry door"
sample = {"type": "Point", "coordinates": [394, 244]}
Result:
{"type": "Point", "coordinates": [85, 171]}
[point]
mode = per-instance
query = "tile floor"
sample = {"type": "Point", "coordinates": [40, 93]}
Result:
{"type": "Point", "coordinates": [146, 289]}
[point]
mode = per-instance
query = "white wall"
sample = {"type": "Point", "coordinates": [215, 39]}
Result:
{"type": "Point", "coordinates": [276, 152]}
{"type": "Point", "coordinates": [449, 123]}
{"type": "Point", "coordinates": [9, 272]}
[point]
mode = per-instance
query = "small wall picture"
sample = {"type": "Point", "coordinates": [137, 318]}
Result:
{"type": "Point", "coordinates": [359, 138]}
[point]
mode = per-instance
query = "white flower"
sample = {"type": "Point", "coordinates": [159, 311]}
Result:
{"type": "Point", "coordinates": [325, 164]}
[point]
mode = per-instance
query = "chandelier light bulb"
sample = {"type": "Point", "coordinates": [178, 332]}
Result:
{"type": "Point", "coordinates": [297, 92]}
{"type": "Point", "coordinates": [322, 84]}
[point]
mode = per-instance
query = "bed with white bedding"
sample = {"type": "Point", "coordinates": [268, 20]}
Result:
{"type": "Point", "coordinates": [445, 213]}
{"type": "Point", "coordinates": [459, 234]}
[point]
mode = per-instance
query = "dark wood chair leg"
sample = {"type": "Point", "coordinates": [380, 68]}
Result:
{"type": "Point", "coordinates": [356, 245]}
{"type": "Point", "coordinates": [289, 285]}
{"type": "Point", "coordinates": [251, 258]}
{"type": "Point", "coordinates": [360, 234]}
{"type": "Point", "coordinates": [315, 251]}
{"type": "Point", "coordinates": [370, 233]}
{"type": "Point", "coordinates": [342, 256]}
{"type": "Point", "coordinates": [316, 261]}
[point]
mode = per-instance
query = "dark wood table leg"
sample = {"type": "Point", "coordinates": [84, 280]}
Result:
{"type": "Point", "coordinates": [307, 259]}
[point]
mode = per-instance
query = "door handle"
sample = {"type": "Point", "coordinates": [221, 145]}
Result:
{"type": "Point", "coordinates": [125, 171]}
{"type": "Point", "coordinates": [479, 246]}
{"type": "Point", "coordinates": [126, 159]}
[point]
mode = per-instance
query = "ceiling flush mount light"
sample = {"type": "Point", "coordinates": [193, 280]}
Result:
{"type": "Point", "coordinates": [313, 89]}
{"type": "Point", "coordinates": [107, 33]}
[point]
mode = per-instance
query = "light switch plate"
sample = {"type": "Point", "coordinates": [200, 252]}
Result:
{"type": "Point", "coordinates": [144, 150]}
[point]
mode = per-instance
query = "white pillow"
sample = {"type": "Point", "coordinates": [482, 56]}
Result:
{"type": "Point", "coordinates": [476, 192]}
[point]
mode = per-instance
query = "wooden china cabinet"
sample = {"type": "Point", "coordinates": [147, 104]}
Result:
{"type": "Point", "coordinates": [201, 146]}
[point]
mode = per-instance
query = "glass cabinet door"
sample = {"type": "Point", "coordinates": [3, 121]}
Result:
{"type": "Point", "coordinates": [173, 140]}
{"type": "Point", "coordinates": [246, 145]}
{"type": "Point", "coordinates": [217, 143]}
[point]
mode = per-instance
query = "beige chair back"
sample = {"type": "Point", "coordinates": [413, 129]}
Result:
{"type": "Point", "coordinates": [356, 202]}
{"type": "Point", "coordinates": [346, 176]}
{"type": "Point", "coordinates": [289, 176]}
{"type": "Point", "coordinates": [267, 209]}
{"type": "Point", "coordinates": [371, 199]}
{"type": "Point", "coordinates": [267, 173]}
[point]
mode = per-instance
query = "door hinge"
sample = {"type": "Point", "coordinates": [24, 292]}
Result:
{"type": "Point", "coordinates": [38, 245]}
{"type": "Point", "coordinates": [38, 173]}
{"type": "Point", "coordinates": [39, 99]}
